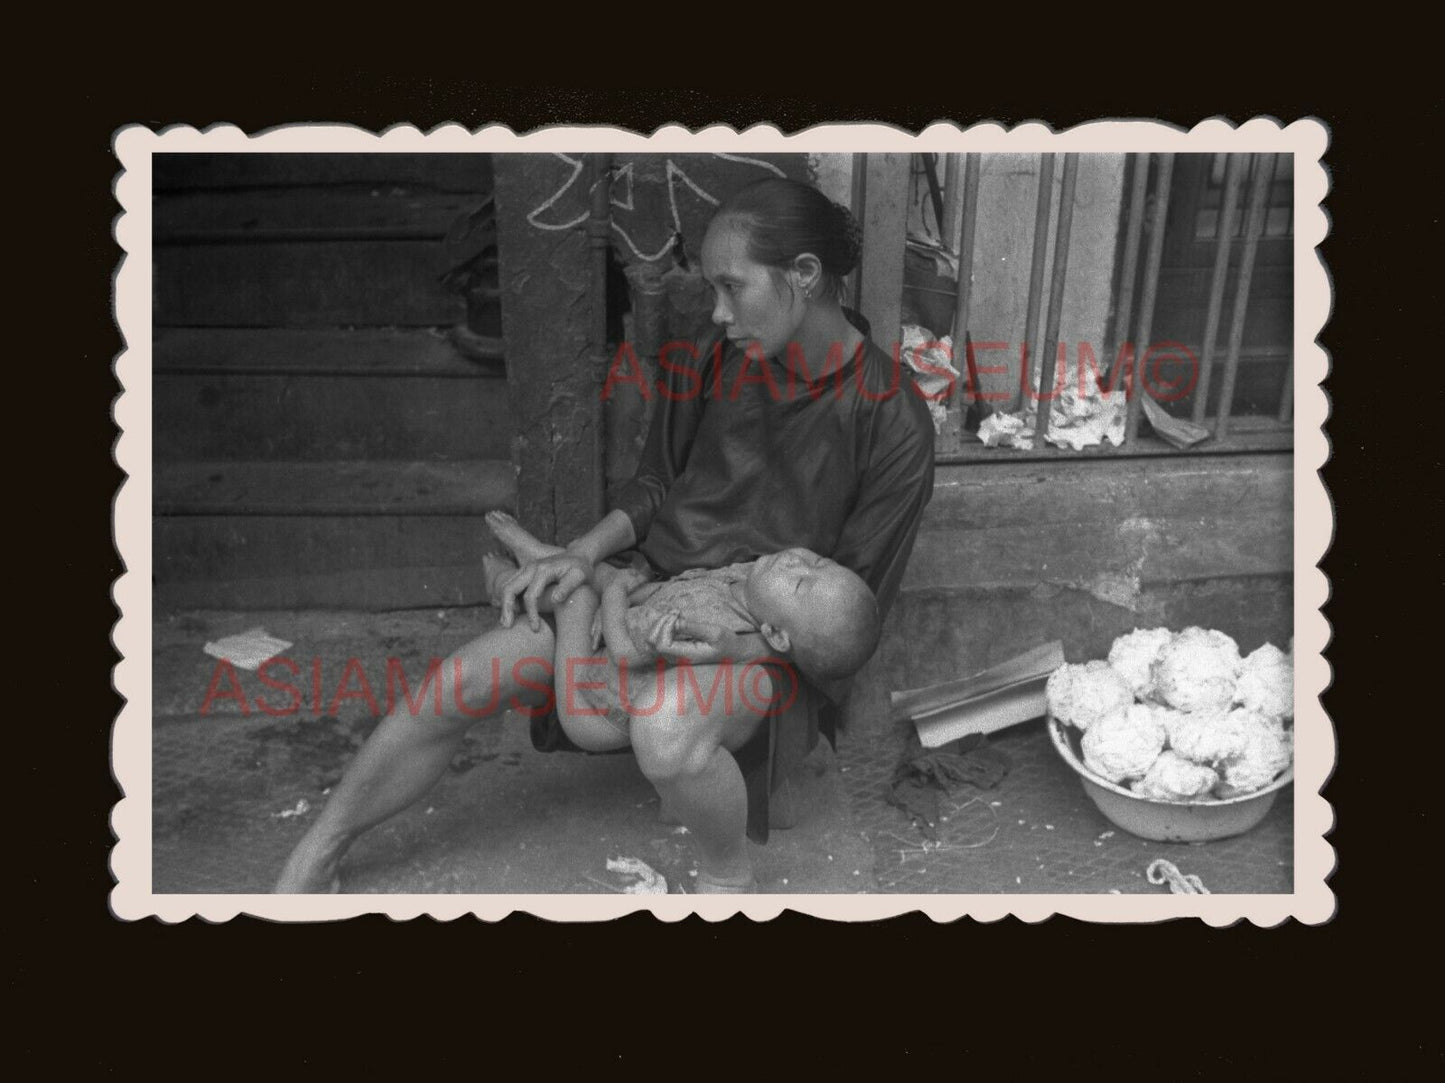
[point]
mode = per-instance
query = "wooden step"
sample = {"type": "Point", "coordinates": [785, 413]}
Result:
{"type": "Point", "coordinates": [364, 535]}
{"type": "Point", "coordinates": [368, 283]}
{"type": "Point", "coordinates": [333, 488]}
{"type": "Point", "coordinates": [308, 214]}
{"type": "Point", "coordinates": [386, 351]}
{"type": "Point", "coordinates": [330, 562]}
{"type": "Point", "coordinates": [416, 171]}
{"type": "Point", "coordinates": [325, 396]}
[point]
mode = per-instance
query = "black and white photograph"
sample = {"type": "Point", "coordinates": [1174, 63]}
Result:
{"type": "Point", "coordinates": [854, 522]}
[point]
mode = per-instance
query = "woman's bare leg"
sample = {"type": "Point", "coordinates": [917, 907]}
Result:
{"type": "Point", "coordinates": [407, 752]}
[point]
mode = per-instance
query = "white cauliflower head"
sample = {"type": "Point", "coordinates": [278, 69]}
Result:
{"type": "Point", "coordinates": [1206, 737]}
{"type": "Point", "coordinates": [1173, 778]}
{"type": "Point", "coordinates": [1196, 670]}
{"type": "Point", "coordinates": [1266, 682]}
{"type": "Point", "coordinates": [1267, 749]}
{"type": "Point", "coordinates": [1083, 694]}
{"type": "Point", "coordinates": [1124, 744]}
{"type": "Point", "coordinates": [1133, 656]}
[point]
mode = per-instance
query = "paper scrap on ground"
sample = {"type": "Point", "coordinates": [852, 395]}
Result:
{"type": "Point", "coordinates": [1006, 430]}
{"type": "Point", "coordinates": [649, 881]}
{"type": "Point", "coordinates": [1182, 434]}
{"type": "Point", "coordinates": [303, 806]}
{"type": "Point", "coordinates": [248, 650]}
{"type": "Point", "coordinates": [1006, 694]}
{"type": "Point", "coordinates": [933, 369]}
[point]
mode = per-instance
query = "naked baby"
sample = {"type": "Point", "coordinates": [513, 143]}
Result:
{"type": "Point", "coordinates": [792, 607]}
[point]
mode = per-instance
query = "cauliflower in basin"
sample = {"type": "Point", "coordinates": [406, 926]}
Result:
{"type": "Point", "coordinates": [1196, 671]}
{"type": "Point", "coordinates": [1132, 656]}
{"type": "Point", "coordinates": [1125, 744]}
{"type": "Point", "coordinates": [1206, 737]}
{"type": "Point", "coordinates": [1173, 778]}
{"type": "Point", "coordinates": [1266, 682]}
{"type": "Point", "coordinates": [1268, 748]}
{"type": "Point", "coordinates": [1083, 694]}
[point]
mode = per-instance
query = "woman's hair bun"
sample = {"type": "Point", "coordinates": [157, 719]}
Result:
{"type": "Point", "coordinates": [850, 235]}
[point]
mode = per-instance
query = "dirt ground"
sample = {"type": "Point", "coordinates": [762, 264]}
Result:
{"type": "Point", "coordinates": [232, 791]}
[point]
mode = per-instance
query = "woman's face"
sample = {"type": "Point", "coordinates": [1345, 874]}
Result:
{"type": "Point", "coordinates": [755, 308]}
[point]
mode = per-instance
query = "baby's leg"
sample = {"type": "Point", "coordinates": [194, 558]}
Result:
{"type": "Point", "coordinates": [524, 545]}
{"type": "Point", "coordinates": [586, 713]}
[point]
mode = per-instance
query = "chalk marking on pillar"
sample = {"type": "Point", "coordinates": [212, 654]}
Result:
{"type": "Point", "coordinates": [576, 164]}
{"type": "Point", "coordinates": [751, 161]}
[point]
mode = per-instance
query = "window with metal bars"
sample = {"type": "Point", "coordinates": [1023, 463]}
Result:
{"type": "Point", "coordinates": [1200, 302]}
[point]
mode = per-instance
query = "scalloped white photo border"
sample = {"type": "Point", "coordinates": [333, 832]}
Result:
{"type": "Point", "coordinates": [1311, 902]}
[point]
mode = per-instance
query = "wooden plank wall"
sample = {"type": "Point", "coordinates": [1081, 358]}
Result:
{"type": "Point", "coordinates": [319, 438]}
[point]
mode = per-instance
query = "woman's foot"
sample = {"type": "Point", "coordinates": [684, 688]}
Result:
{"type": "Point", "coordinates": [524, 545]}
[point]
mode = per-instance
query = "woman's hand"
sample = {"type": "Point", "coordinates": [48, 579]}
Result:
{"type": "Point", "coordinates": [563, 572]}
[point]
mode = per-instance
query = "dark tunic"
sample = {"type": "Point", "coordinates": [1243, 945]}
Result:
{"type": "Point", "coordinates": [747, 456]}
{"type": "Point", "coordinates": [741, 462]}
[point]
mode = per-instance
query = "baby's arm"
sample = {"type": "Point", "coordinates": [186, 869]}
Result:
{"type": "Point", "coordinates": [620, 645]}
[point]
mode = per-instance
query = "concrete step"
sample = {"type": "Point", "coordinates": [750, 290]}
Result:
{"type": "Point", "coordinates": [376, 535]}
{"type": "Point", "coordinates": [327, 395]}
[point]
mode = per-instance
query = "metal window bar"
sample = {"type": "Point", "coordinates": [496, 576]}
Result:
{"type": "Point", "coordinates": [1036, 265]}
{"type": "Point", "coordinates": [1048, 361]}
{"type": "Point", "coordinates": [962, 171]}
{"type": "Point", "coordinates": [1253, 229]}
{"type": "Point", "coordinates": [1124, 351]}
{"type": "Point", "coordinates": [1223, 236]}
{"type": "Point", "coordinates": [1151, 291]}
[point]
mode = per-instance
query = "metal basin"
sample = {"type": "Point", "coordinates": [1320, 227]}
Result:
{"type": "Point", "coordinates": [1167, 821]}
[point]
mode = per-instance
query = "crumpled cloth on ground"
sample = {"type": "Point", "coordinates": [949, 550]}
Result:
{"type": "Point", "coordinates": [925, 775]}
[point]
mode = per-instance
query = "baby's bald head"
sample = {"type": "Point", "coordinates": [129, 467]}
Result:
{"type": "Point", "coordinates": [827, 613]}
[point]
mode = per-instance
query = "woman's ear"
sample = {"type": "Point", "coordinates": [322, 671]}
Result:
{"type": "Point", "coordinates": [776, 638]}
{"type": "Point", "coordinates": [807, 273]}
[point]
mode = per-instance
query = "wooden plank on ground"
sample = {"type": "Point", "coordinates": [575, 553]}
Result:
{"type": "Point", "coordinates": [333, 488]}
{"type": "Point", "coordinates": [885, 219]}
{"type": "Point", "coordinates": [383, 351]}
{"type": "Point", "coordinates": [307, 213]}
{"type": "Point", "coordinates": [438, 172]}
{"type": "Point", "coordinates": [304, 284]}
